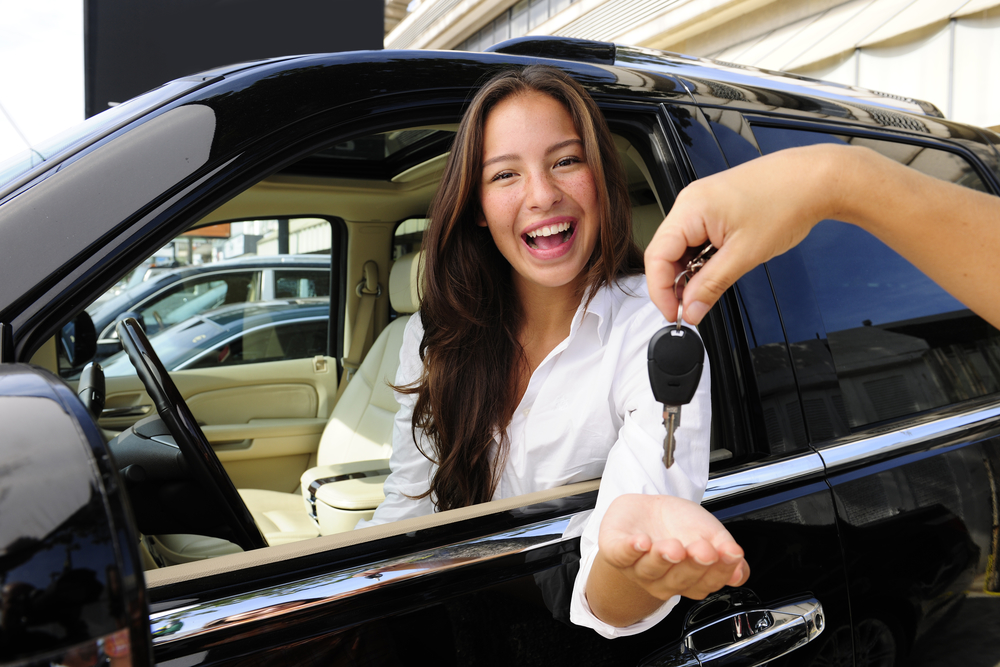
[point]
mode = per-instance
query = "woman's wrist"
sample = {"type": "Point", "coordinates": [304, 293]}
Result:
{"type": "Point", "coordinates": [616, 599]}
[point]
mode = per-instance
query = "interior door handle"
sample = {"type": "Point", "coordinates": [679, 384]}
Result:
{"type": "Point", "coordinates": [126, 411]}
{"type": "Point", "coordinates": [744, 634]}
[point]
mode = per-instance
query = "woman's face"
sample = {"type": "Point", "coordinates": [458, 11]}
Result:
{"type": "Point", "coordinates": [537, 191]}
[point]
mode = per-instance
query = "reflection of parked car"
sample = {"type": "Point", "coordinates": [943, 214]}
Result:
{"type": "Point", "coordinates": [175, 295]}
{"type": "Point", "coordinates": [856, 407]}
{"type": "Point", "coordinates": [240, 333]}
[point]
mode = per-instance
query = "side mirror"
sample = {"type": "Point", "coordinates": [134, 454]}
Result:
{"type": "Point", "coordinates": [78, 340]}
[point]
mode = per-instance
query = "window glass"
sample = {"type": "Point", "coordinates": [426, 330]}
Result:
{"type": "Point", "coordinates": [519, 19]}
{"type": "Point", "coordinates": [539, 12]}
{"type": "Point", "coordinates": [294, 340]}
{"type": "Point", "coordinates": [900, 344]}
{"type": "Point", "coordinates": [301, 284]}
{"type": "Point", "coordinates": [195, 296]}
{"type": "Point", "coordinates": [220, 264]}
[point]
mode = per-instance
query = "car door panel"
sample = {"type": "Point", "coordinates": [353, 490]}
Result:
{"type": "Point", "coordinates": [500, 585]}
{"type": "Point", "coordinates": [920, 538]}
{"type": "Point", "coordinates": [264, 420]}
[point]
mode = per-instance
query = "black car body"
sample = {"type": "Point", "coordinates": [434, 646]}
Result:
{"type": "Point", "coordinates": [856, 419]}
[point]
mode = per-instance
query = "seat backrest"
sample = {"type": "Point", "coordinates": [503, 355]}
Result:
{"type": "Point", "coordinates": [360, 427]}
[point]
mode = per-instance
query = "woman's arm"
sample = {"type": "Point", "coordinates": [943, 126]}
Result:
{"type": "Point", "coordinates": [764, 207]}
{"type": "Point", "coordinates": [644, 510]}
{"type": "Point", "coordinates": [655, 547]}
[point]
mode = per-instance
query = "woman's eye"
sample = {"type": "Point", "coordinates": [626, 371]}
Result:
{"type": "Point", "coordinates": [502, 176]}
{"type": "Point", "coordinates": [567, 161]}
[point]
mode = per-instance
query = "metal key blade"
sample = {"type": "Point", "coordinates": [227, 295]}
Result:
{"type": "Point", "coordinates": [671, 420]}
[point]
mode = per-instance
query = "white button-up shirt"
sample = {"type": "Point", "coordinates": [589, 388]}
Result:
{"type": "Point", "coordinates": [588, 412]}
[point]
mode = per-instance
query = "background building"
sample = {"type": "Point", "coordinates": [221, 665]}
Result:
{"type": "Point", "coordinates": [946, 52]}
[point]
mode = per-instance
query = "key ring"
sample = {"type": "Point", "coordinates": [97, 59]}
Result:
{"type": "Point", "coordinates": [692, 268]}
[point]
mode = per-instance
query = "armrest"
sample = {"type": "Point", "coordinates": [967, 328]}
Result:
{"type": "Point", "coordinates": [352, 486]}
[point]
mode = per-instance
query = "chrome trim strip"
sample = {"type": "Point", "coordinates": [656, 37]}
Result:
{"type": "Point", "coordinates": [227, 613]}
{"type": "Point", "coordinates": [760, 476]}
{"type": "Point", "coordinates": [956, 429]}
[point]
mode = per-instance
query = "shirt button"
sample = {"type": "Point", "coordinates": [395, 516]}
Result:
{"type": "Point", "coordinates": [526, 411]}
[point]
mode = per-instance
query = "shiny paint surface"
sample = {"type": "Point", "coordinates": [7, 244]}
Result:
{"type": "Point", "coordinates": [68, 574]}
{"type": "Point", "coordinates": [892, 528]}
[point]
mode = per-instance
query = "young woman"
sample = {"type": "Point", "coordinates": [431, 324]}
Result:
{"type": "Point", "coordinates": [526, 367]}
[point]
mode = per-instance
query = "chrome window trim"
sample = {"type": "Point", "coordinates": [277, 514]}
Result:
{"type": "Point", "coordinates": [936, 431]}
{"type": "Point", "coordinates": [755, 477]}
{"type": "Point", "coordinates": [233, 611]}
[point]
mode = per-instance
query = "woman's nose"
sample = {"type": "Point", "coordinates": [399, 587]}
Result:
{"type": "Point", "coordinates": [543, 192]}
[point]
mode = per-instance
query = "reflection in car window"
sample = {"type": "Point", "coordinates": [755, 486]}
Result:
{"type": "Point", "coordinates": [185, 300]}
{"type": "Point", "coordinates": [900, 344]}
{"type": "Point", "coordinates": [301, 284]}
{"type": "Point", "coordinates": [295, 340]}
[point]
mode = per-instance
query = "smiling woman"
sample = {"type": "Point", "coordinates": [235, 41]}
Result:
{"type": "Point", "coordinates": [525, 370]}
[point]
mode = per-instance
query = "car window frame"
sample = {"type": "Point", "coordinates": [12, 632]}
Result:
{"type": "Point", "coordinates": [782, 267]}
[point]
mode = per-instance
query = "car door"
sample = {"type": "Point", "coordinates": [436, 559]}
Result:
{"type": "Point", "coordinates": [490, 584]}
{"type": "Point", "coordinates": [900, 399]}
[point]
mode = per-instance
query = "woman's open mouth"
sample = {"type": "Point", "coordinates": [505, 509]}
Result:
{"type": "Point", "coordinates": [549, 237]}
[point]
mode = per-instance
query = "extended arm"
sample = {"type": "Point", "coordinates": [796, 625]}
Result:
{"type": "Point", "coordinates": [652, 548]}
{"type": "Point", "coordinates": [762, 208]}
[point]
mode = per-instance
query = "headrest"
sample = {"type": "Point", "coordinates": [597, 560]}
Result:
{"type": "Point", "coordinates": [404, 283]}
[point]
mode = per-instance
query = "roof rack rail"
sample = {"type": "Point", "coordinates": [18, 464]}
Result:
{"type": "Point", "coordinates": [561, 48]}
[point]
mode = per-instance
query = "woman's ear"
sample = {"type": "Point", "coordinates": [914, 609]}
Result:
{"type": "Point", "coordinates": [481, 220]}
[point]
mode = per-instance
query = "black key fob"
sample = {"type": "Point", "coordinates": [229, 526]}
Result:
{"type": "Point", "coordinates": [676, 358]}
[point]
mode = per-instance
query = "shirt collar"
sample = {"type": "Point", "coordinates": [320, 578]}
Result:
{"type": "Point", "coordinates": [596, 316]}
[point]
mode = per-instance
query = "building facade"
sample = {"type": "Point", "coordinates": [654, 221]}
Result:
{"type": "Point", "coordinates": [946, 52]}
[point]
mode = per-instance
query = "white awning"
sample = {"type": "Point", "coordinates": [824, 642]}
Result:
{"type": "Point", "coordinates": [840, 30]}
{"type": "Point", "coordinates": [915, 16]}
{"type": "Point", "coordinates": [846, 36]}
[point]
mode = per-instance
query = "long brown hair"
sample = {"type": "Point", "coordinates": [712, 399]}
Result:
{"type": "Point", "coordinates": [471, 317]}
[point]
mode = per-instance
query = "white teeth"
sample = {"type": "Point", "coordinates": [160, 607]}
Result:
{"type": "Point", "coordinates": [550, 230]}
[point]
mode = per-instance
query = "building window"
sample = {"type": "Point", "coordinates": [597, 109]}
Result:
{"type": "Point", "coordinates": [514, 22]}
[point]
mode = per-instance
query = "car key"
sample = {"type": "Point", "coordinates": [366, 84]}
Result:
{"type": "Point", "coordinates": [676, 357]}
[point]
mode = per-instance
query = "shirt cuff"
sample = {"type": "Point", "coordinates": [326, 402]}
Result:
{"type": "Point", "coordinates": [581, 614]}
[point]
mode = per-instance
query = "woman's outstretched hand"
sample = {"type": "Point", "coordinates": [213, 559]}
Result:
{"type": "Point", "coordinates": [651, 548]}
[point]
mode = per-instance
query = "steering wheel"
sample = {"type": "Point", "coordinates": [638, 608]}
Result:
{"type": "Point", "coordinates": [199, 455]}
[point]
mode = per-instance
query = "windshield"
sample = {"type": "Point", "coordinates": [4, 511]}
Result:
{"type": "Point", "coordinates": [89, 130]}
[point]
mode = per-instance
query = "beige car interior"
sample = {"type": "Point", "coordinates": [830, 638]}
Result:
{"type": "Point", "coordinates": [309, 463]}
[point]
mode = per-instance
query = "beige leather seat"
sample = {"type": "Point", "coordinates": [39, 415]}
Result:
{"type": "Point", "coordinates": [356, 444]}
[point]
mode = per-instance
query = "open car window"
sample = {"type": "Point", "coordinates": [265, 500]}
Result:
{"type": "Point", "coordinates": [264, 389]}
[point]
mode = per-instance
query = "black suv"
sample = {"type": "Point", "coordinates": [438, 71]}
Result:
{"type": "Point", "coordinates": [856, 414]}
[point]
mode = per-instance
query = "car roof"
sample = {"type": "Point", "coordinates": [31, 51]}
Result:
{"type": "Point", "coordinates": [119, 303]}
{"type": "Point", "coordinates": [317, 94]}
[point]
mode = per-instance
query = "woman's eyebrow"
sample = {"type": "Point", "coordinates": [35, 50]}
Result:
{"type": "Point", "coordinates": [551, 149]}
{"type": "Point", "coordinates": [563, 144]}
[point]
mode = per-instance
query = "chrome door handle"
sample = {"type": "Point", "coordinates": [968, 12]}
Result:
{"type": "Point", "coordinates": [127, 411]}
{"type": "Point", "coordinates": [745, 636]}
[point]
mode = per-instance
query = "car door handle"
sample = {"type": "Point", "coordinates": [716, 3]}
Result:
{"type": "Point", "coordinates": [126, 411]}
{"type": "Point", "coordinates": [744, 635]}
